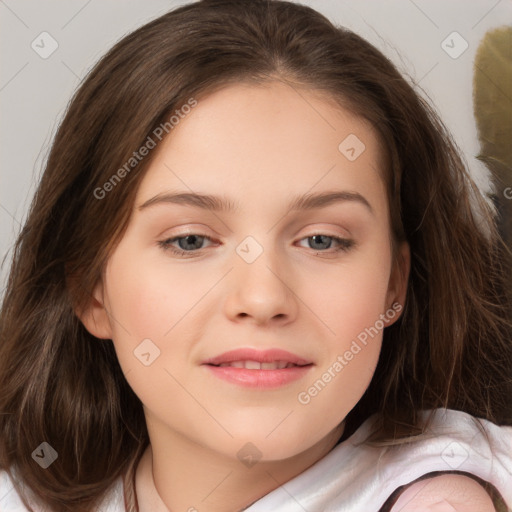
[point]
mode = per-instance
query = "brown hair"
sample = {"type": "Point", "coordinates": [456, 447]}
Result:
{"type": "Point", "coordinates": [58, 383]}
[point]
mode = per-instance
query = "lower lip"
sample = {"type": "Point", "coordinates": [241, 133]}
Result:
{"type": "Point", "coordinates": [259, 378]}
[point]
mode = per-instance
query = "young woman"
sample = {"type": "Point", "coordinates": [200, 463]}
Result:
{"type": "Point", "coordinates": [256, 275]}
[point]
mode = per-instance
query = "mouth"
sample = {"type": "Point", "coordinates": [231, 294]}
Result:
{"type": "Point", "coordinates": [252, 359]}
{"type": "Point", "coordinates": [259, 369]}
{"type": "Point", "coordinates": [256, 365]}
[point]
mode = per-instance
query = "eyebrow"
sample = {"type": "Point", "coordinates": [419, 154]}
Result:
{"type": "Point", "coordinates": [222, 204]}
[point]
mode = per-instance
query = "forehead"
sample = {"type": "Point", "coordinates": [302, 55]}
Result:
{"type": "Point", "coordinates": [268, 140]}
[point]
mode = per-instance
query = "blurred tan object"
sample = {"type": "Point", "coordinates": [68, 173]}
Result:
{"type": "Point", "coordinates": [492, 102]}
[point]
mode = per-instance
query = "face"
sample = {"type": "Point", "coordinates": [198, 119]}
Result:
{"type": "Point", "coordinates": [290, 266]}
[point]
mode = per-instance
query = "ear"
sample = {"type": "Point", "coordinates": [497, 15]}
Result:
{"type": "Point", "coordinates": [397, 288]}
{"type": "Point", "coordinates": [95, 316]}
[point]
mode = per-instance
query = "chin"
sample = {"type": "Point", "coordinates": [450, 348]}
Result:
{"type": "Point", "coordinates": [279, 445]}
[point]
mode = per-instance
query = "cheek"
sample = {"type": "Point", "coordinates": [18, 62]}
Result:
{"type": "Point", "coordinates": [340, 384]}
{"type": "Point", "coordinates": [353, 298]}
{"type": "Point", "coordinates": [150, 300]}
{"type": "Point", "coordinates": [352, 310]}
{"type": "Point", "coordinates": [350, 357]}
{"type": "Point", "coordinates": [147, 300]}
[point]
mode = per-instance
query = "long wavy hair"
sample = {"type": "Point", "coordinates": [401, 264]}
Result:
{"type": "Point", "coordinates": [451, 348]}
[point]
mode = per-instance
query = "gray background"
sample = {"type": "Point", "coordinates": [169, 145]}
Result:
{"type": "Point", "coordinates": [34, 92]}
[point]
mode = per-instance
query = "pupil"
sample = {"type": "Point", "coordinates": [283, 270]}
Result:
{"type": "Point", "coordinates": [319, 239]}
{"type": "Point", "coordinates": [187, 241]}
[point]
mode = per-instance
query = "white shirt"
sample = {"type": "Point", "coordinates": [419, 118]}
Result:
{"type": "Point", "coordinates": [354, 477]}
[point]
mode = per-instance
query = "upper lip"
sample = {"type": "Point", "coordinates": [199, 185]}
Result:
{"type": "Point", "coordinates": [261, 356]}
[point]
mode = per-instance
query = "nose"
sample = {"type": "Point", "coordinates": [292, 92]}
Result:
{"type": "Point", "coordinates": [261, 291]}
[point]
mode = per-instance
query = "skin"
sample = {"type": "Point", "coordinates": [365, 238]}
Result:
{"type": "Point", "coordinates": [446, 493]}
{"type": "Point", "coordinates": [258, 145]}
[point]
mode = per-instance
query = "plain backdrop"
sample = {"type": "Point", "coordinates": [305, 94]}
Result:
{"type": "Point", "coordinates": [34, 91]}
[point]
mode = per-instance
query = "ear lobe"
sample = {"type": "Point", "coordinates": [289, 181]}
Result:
{"type": "Point", "coordinates": [399, 279]}
{"type": "Point", "coordinates": [95, 317]}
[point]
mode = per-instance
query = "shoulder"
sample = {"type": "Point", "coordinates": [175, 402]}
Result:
{"type": "Point", "coordinates": [460, 462]}
{"type": "Point", "coordinates": [445, 493]}
{"type": "Point", "coordinates": [9, 498]}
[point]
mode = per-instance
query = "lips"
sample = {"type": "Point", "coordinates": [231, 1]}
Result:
{"type": "Point", "coordinates": [258, 359]}
{"type": "Point", "coordinates": [256, 365]}
{"type": "Point", "coordinates": [259, 369]}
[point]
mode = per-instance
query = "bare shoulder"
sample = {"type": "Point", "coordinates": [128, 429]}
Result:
{"type": "Point", "coordinates": [445, 493]}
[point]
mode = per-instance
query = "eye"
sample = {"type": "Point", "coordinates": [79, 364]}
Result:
{"type": "Point", "coordinates": [187, 244]}
{"type": "Point", "coordinates": [191, 243]}
{"type": "Point", "coordinates": [322, 242]}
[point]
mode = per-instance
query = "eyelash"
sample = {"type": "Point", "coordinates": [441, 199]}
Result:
{"type": "Point", "coordinates": [345, 244]}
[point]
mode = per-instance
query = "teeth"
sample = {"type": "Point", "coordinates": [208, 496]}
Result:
{"type": "Point", "coordinates": [255, 365]}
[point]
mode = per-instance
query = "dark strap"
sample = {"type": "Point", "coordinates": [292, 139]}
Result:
{"type": "Point", "coordinates": [497, 499]}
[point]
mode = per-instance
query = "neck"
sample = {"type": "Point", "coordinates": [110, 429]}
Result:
{"type": "Point", "coordinates": [176, 474]}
